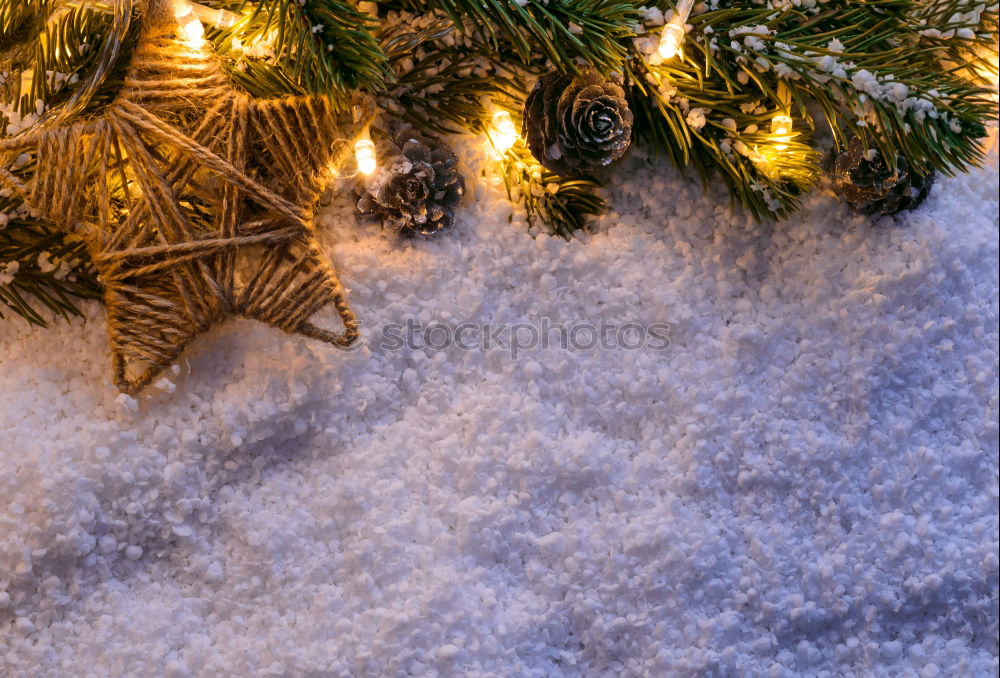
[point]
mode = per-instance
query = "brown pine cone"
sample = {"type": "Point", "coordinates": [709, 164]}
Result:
{"type": "Point", "coordinates": [864, 180]}
{"type": "Point", "coordinates": [421, 192]}
{"type": "Point", "coordinates": [577, 125]}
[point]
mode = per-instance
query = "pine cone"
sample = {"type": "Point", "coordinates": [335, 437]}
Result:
{"type": "Point", "coordinates": [420, 193]}
{"type": "Point", "coordinates": [863, 179]}
{"type": "Point", "coordinates": [577, 124]}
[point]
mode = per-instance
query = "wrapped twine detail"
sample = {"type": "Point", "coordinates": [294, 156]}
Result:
{"type": "Point", "coordinates": [195, 200]}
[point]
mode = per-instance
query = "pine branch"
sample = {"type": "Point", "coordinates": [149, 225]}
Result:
{"type": "Point", "coordinates": [25, 244]}
{"type": "Point", "coordinates": [442, 80]}
{"type": "Point", "coordinates": [704, 122]}
{"type": "Point", "coordinates": [864, 64]}
{"type": "Point", "coordinates": [593, 31]}
{"type": "Point", "coordinates": [564, 205]}
{"type": "Point", "coordinates": [868, 66]}
{"type": "Point", "coordinates": [68, 55]}
{"type": "Point", "coordinates": [763, 179]}
{"type": "Point", "coordinates": [936, 23]}
{"type": "Point", "coordinates": [324, 47]}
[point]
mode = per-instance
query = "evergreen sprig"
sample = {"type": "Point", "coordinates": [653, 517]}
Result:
{"type": "Point", "coordinates": [440, 81]}
{"type": "Point", "coordinates": [63, 54]}
{"type": "Point", "coordinates": [325, 47]}
{"type": "Point", "coordinates": [33, 288]}
{"type": "Point", "coordinates": [561, 204]}
{"type": "Point", "coordinates": [850, 59]}
{"type": "Point", "coordinates": [879, 47]}
{"type": "Point", "coordinates": [592, 31]}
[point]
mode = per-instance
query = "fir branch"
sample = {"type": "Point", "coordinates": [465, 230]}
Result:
{"type": "Point", "coordinates": [31, 289]}
{"type": "Point", "coordinates": [564, 205]}
{"type": "Point", "coordinates": [763, 179]}
{"type": "Point", "coordinates": [442, 81]}
{"type": "Point", "coordinates": [856, 61]}
{"type": "Point", "coordinates": [863, 64]}
{"type": "Point", "coordinates": [68, 55]}
{"type": "Point", "coordinates": [705, 122]}
{"type": "Point", "coordinates": [593, 31]}
{"type": "Point", "coordinates": [324, 47]}
{"type": "Point", "coordinates": [17, 21]}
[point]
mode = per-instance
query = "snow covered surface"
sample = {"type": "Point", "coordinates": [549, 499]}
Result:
{"type": "Point", "coordinates": [804, 483]}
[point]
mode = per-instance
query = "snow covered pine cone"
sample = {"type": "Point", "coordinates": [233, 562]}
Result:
{"type": "Point", "coordinates": [419, 194]}
{"type": "Point", "coordinates": [577, 125]}
{"type": "Point", "coordinates": [862, 178]}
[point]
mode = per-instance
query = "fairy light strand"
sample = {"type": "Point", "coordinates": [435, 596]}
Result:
{"type": "Point", "coordinates": [672, 37]}
{"type": "Point", "coordinates": [364, 154]}
{"type": "Point", "coordinates": [503, 132]}
{"type": "Point", "coordinates": [781, 123]}
{"type": "Point", "coordinates": [217, 18]}
{"type": "Point", "coordinates": [191, 28]}
{"type": "Point", "coordinates": [191, 18]}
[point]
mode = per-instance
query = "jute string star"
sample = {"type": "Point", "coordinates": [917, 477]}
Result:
{"type": "Point", "coordinates": [195, 200]}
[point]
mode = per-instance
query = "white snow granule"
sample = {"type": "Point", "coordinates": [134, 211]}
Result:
{"type": "Point", "coordinates": [803, 484]}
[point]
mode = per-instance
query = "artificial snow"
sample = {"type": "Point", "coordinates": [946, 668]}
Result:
{"type": "Point", "coordinates": [803, 482]}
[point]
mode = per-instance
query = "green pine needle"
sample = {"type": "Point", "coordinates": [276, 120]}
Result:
{"type": "Point", "coordinates": [33, 290]}
{"type": "Point", "coordinates": [324, 47]}
{"type": "Point", "coordinates": [593, 31]}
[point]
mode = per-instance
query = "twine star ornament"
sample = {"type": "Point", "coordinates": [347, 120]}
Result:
{"type": "Point", "coordinates": [195, 200]}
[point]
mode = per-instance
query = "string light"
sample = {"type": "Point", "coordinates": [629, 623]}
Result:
{"type": "Point", "coordinates": [781, 130]}
{"type": "Point", "coordinates": [672, 36]}
{"type": "Point", "coordinates": [192, 17]}
{"type": "Point", "coordinates": [670, 40]}
{"type": "Point", "coordinates": [364, 154]}
{"type": "Point", "coordinates": [503, 133]}
{"type": "Point", "coordinates": [781, 123]}
{"type": "Point", "coordinates": [218, 18]}
{"type": "Point", "coordinates": [191, 29]}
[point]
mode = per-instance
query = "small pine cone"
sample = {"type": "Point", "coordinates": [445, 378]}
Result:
{"type": "Point", "coordinates": [862, 178]}
{"type": "Point", "coordinates": [577, 125]}
{"type": "Point", "coordinates": [421, 192]}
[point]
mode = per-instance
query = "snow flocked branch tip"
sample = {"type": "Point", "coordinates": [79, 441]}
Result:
{"type": "Point", "coordinates": [872, 67]}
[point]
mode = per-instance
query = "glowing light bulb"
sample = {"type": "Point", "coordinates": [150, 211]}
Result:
{"type": "Point", "coordinates": [219, 18]}
{"type": "Point", "coordinates": [672, 36]}
{"type": "Point", "coordinates": [781, 130]}
{"type": "Point", "coordinates": [191, 29]}
{"type": "Point", "coordinates": [364, 154]}
{"type": "Point", "coordinates": [670, 40]}
{"type": "Point", "coordinates": [503, 133]}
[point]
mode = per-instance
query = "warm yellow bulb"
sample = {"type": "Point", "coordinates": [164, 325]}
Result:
{"type": "Point", "coordinates": [191, 29]}
{"type": "Point", "coordinates": [219, 18]}
{"type": "Point", "coordinates": [670, 40]}
{"type": "Point", "coordinates": [781, 130]}
{"type": "Point", "coordinates": [503, 133]}
{"type": "Point", "coordinates": [364, 154]}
